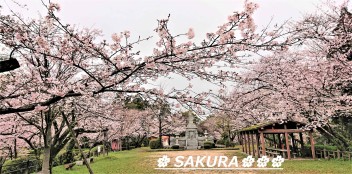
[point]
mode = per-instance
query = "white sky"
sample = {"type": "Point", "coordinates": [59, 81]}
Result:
{"type": "Point", "coordinates": [140, 17]}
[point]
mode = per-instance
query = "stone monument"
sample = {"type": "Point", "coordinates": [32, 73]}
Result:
{"type": "Point", "coordinates": [191, 139]}
{"type": "Point", "coordinates": [191, 134]}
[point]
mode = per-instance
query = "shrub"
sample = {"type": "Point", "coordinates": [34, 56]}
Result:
{"type": "Point", "coordinates": [175, 147]}
{"type": "Point", "coordinates": [20, 165]}
{"type": "Point", "coordinates": [154, 144]}
{"type": "Point", "coordinates": [227, 143]}
{"type": "Point", "coordinates": [66, 157]}
{"type": "Point", "coordinates": [208, 145]}
{"type": "Point", "coordinates": [220, 142]}
{"type": "Point", "coordinates": [321, 147]}
{"type": "Point", "coordinates": [232, 144]}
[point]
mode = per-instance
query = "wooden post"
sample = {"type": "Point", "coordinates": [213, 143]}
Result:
{"type": "Point", "coordinates": [262, 142]}
{"type": "Point", "coordinates": [279, 136]}
{"type": "Point", "coordinates": [338, 154]}
{"type": "Point", "coordinates": [252, 138]}
{"type": "Point", "coordinates": [245, 142]}
{"type": "Point", "coordinates": [312, 143]}
{"type": "Point", "coordinates": [242, 141]}
{"type": "Point", "coordinates": [249, 143]}
{"type": "Point", "coordinates": [257, 140]}
{"type": "Point", "coordinates": [274, 139]}
{"type": "Point", "coordinates": [287, 144]}
{"type": "Point", "coordinates": [324, 150]}
{"type": "Point", "coordinates": [239, 138]}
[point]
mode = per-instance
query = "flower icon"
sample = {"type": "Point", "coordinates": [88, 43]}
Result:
{"type": "Point", "coordinates": [248, 161]}
{"type": "Point", "coordinates": [277, 161]}
{"type": "Point", "coordinates": [163, 161]}
{"type": "Point", "coordinates": [263, 161]}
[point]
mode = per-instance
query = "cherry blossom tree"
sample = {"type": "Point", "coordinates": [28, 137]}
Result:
{"type": "Point", "coordinates": [221, 126]}
{"type": "Point", "coordinates": [47, 44]}
{"type": "Point", "coordinates": [60, 62]}
{"type": "Point", "coordinates": [309, 82]}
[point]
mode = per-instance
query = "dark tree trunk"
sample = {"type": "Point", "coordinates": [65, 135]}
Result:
{"type": "Point", "coordinates": [160, 131]}
{"type": "Point", "coordinates": [15, 147]}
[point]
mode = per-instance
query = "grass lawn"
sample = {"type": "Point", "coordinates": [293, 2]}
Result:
{"type": "Point", "coordinates": [142, 161]}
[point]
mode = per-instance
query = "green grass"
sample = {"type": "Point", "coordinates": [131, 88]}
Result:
{"type": "Point", "coordinates": [114, 163]}
{"type": "Point", "coordinates": [138, 161]}
{"type": "Point", "coordinates": [318, 166]}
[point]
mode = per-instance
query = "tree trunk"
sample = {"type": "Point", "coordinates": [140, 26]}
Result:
{"type": "Point", "coordinates": [106, 145]}
{"type": "Point", "coordinates": [47, 149]}
{"type": "Point", "coordinates": [77, 143]}
{"type": "Point", "coordinates": [160, 140]}
{"type": "Point", "coordinates": [15, 147]}
{"type": "Point", "coordinates": [337, 139]}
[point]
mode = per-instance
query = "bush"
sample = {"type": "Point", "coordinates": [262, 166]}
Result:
{"type": "Point", "coordinates": [66, 157]}
{"type": "Point", "coordinates": [222, 142]}
{"type": "Point", "coordinates": [175, 147]}
{"type": "Point", "coordinates": [321, 147]}
{"type": "Point", "coordinates": [232, 144]}
{"type": "Point", "coordinates": [154, 144]}
{"type": "Point", "coordinates": [20, 165]}
{"type": "Point", "coordinates": [227, 143]}
{"type": "Point", "coordinates": [208, 145]}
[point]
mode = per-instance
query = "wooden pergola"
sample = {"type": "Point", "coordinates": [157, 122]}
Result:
{"type": "Point", "coordinates": [280, 139]}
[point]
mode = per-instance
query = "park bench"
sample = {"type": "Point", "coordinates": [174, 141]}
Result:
{"type": "Point", "coordinates": [69, 166]}
{"type": "Point", "coordinates": [272, 153]}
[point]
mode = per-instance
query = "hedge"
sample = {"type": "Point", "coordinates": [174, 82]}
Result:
{"type": "Point", "coordinates": [154, 144]}
{"type": "Point", "coordinates": [208, 145]}
{"type": "Point", "coordinates": [20, 165]}
{"type": "Point", "coordinates": [321, 147]}
{"type": "Point", "coordinates": [175, 147]}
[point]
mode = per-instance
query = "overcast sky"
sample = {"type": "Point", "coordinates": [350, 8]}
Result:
{"type": "Point", "coordinates": [140, 17]}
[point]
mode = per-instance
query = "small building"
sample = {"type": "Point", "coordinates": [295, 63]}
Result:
{"type": "Point", "coordinates": [116, 145]}
{"type": "Point", "coordinates": [277, 138]}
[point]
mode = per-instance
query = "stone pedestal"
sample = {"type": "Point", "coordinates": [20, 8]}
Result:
{"type": "Point", "coordinates": [191, 134]}
{"type": "Point", "coordinates": [191, 139]}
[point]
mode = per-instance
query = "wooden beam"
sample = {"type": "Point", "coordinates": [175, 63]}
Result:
{"type": "Point", "coordinates": [262, 142]}
{"type": "Point", "coordinates": [273, 131]}
{"type": "Point", "coordinates": [287, 145]}
{"type": "Point", "coordinates": [252, 138]}
{"type": "Point", "coordinates": [312, 144]}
